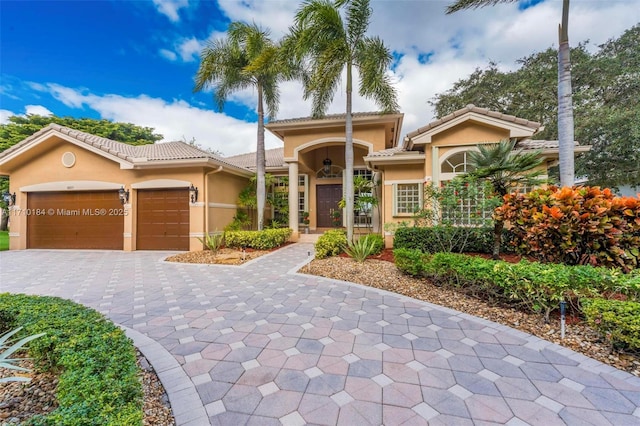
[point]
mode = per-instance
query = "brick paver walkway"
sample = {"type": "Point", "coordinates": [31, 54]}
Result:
{"type": "Point", "coordinates": [261, 344]}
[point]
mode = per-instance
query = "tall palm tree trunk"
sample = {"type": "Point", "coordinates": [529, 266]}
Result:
{"type": "Point", "coordinates": [565, 104]}
{"type": "Point", "coordinates": [260, 163]}
{"type": "Point", "coordinates": [348, 157]}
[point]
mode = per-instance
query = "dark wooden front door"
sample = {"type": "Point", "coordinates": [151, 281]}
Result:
{"type": "Point", "coordinates": [163, 219]}
{"type": "Point", "coordinates": [75, 220]}
{"type": "Point", "coordinates": [327, 197]}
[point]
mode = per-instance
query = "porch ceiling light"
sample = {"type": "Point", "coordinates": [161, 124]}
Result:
{"type": "Point", "coordinates": [193, 191]}
{"type": "Point", "coordinates": [123, 194]}
{"type": "Point", "coordinates": [326, 166]}
{"type": "Point", "coordinates": [9, 198]}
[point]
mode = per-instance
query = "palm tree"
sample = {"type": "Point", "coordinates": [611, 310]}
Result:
{"type": "Point", "coordinates": [565, 100]}
{"type": "Point", "coordinates": [326, 45]}
{"type": "Point", "coordinates": [245, 59]}
{"type": "Point", "coordinates": [505, 169]}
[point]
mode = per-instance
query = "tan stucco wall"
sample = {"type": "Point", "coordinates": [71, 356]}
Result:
{"type": "Point", "coordinates": [371, 134]}
{"type": "Point", "coordinates": [469, 133]}
{"type": "Point", "coordinates": [223, 190]}
{"type": "Point", "coordinates": [42, 165]}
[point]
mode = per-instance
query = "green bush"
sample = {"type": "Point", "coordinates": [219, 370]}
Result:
{"type": "Point", "coordinates": [618, 321]}
{"type": "Point", "coordinates": [535, 286]}
{"type": "Point", "coordinates": [444, 238]}
{"type": "Point", "coordinates": [98, 376]}
{"type": "Point", "coordinates": [331, 243]}
{"type": "Point", "coordinates": [410, 261]}
{"type": "Point", "coordinates": [259, 240]}
{"type": "Point", "coordinates": [378, 242]}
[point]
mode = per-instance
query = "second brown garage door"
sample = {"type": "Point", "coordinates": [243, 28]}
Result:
{"type": "Point", "coordinates": [163, 219]}
{"type": "Point", "coordinates": [75, 220]}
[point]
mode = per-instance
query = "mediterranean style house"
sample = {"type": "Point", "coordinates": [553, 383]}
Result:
{"type": "Point", "coordinates": [76, 190]}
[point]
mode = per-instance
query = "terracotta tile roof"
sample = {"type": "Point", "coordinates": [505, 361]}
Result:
{"type": "Point", "coordinates": [274, 158]}
{"type": "Point", "coordinates": [472, 108]}
{"type": "Point", "coordinates": [164, 151]}
{"type": "Point", "coordinates": [389, 152]}
{"type": "Point", "coordinates": [327, 117]}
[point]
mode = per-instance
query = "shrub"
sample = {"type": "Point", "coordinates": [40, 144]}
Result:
{"type": "Point", "coordinates": [445, 238]}
{"type": "Point", "coordinates": [259, 240]}
{"type": "Point", "coordinates": [410, 261]}
{"type": "Point", "coordinates": [362, 248]}
{"type": "Point", "coordinates": [98, 381]}
{"type": "Point", "coordinates": [580, 225]}
{"type": "Point", "coordinates": [535, 286]}
{"type": "Point", "coordinates": [331, 243]}
{"type": "Point", "coordinates": [213, 242]}
{"type": "Point", "coordinates": [618, 321]}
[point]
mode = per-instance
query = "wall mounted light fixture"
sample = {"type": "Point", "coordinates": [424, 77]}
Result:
{"type": "Point", "coordinates": [123, 194]}
{"type": "Point", "coordinates": [194, 193]}
{"type": "Point", "coordinates": [9, 198]}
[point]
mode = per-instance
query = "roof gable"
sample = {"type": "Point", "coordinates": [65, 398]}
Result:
{"type": "Point", "coordinates": [128, 156]}
{"type": "Point", "coordinates": [517, 127]}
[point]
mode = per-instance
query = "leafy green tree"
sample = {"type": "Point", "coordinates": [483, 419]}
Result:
{"type": "Point", "coordinates": [565, 101]}
{"type": "Point", "coordinates": [20, 127]}
{"type": "Point", "coordinates": [505, 169]}
{"type": "Point", "coordinates": [326, 45]}
{"type": "Point", "coordinates": [247, 58]}
{"type": "Point", "coordinates": [606, 102]}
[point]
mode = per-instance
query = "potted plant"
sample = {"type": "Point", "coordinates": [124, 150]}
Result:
{"type": "Point", "coordinates": [305, 221]}
{"type": "Point", "coordinates": [336, 218]}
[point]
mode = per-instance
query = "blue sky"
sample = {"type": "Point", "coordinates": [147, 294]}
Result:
{"type": "Point", "coordinates": [134, 61]}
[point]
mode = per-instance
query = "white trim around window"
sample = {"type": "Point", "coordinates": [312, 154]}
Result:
{"type": "Point", "coordinates": [405, 196]}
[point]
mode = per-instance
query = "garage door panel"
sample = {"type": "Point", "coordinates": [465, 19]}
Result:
{"type": "Point", "coordinates": [163, 219]}
{"type": "Point", "coordinates": [75, 220]}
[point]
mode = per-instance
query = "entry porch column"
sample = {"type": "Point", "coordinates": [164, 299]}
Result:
{"type": "Point", "coordinates": [293, 200]}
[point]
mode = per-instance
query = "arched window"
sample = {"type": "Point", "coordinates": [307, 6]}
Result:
{"type": "Point", "coordinates": [456, 163]}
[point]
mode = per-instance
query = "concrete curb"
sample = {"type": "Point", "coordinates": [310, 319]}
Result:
{"type": "Point", "coordinates": [185, 402]}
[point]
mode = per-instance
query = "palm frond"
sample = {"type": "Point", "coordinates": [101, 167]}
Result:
{"type": "Point", "coordinates": [459, 5]}
{"type": "Point", "coordinates": [358, 17]}
{"type": "Point", "coordinates": [373, 60]}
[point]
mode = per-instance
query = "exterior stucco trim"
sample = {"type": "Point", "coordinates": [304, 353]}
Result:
{"type": "Point", "coordinates": [326, 142]}
{"type": "Point", "coordinates": [72, 185]}
{"type": "Point", "coordinates": [160, 183]}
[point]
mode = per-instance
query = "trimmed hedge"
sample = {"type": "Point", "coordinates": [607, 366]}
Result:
{"type": "Point", "coordinates": [618, 321]}
{"type": "Point", "coordinates": [260, 240]}
{"type": "Point", "coordinates": [454, 239]}
{"type": "Point", "coordinates": [98, 376]}
{"type": "Point", "coordinates": [331, 243]}
{"type": "Point", "coordinates": [536, 286]}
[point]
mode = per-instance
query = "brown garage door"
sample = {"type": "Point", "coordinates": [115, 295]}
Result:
{"type": "Point", "coordinates": [75, 220]}
{"type": "Point", "coordinates": [163, 219]}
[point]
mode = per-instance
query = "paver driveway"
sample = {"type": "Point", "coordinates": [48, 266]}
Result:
{"type": "Point", "coordinates": [261, 344]}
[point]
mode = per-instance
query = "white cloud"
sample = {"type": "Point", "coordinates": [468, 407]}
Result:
{"type": "Point", "coordinates": [176, 120]}
{"type": "Point", "coordinates": [170, 8]}
{"type": "Point", "coordinates": [168, 54]}
{"type": "Point", "coordinates": [4, 116]}
{"type": "Point", "coordinates": [37, 110]}
{"type": "Point", "coordinates": [189, 49]}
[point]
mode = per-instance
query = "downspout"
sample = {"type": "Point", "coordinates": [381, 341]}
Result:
{"type": "Point", "coordinates": [206, 199]}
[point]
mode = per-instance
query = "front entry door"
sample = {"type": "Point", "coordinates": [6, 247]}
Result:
{"type": "Point", "coordinates": [327, 197]}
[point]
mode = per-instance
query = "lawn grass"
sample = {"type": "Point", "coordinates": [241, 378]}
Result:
{"type": "Point", "coordinates": [4, 240]}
